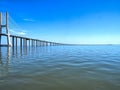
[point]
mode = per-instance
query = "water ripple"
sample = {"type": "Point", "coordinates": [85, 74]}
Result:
{"type": "Point", "coordinates": [60, 68]}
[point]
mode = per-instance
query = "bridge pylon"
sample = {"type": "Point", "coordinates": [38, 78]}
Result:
{"type": "Point", "coordinates": [7, 31]}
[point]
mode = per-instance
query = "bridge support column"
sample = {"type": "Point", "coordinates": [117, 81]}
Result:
{"type": "Point", "coordinates": [36, 43]}
{"type": "Point", "coordinates": [29, 43]}
{"type": "Point", "coordinates": [42, 43]}
{"type": "Point", "coordinates": [0, 26]}
{"type": "Point", "coordinates": [13, 42]}
{"type": "Point", "coordinates": [32, 43]}
{"type": "Point", "coordinates": [7, 32]}
{"type": "Point", "coordinates": [8, 35]}
{"type": "Point", "coordinates": [16, 42]}
{"type": "Point", "coordinates": [21, 43]}
{"type": "Point", "coordinates": [46, 43]}
{"type": "Point", "coordinates": [26, 42]}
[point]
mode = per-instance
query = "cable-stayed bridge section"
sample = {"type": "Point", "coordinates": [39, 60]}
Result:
{"type": "Point", "coordinates": [20, 40]}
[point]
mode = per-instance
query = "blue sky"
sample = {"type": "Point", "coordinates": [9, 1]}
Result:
{"type": "Point", "coordinates": [66, 21]}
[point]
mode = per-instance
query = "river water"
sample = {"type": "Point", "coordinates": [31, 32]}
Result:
{"type": "Point", "coordinates": [94, 67]}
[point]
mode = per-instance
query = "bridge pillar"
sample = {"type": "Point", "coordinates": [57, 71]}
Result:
{"type": "Point", "coordinates": [7, 32]}
{"type": "Point", "coordinates": [16, 42]}
{"type": "Point", "coordinates": [24, 42]}
{"type": "Point", "coordinates": [46, 43]}
{"type": "Point", "coordinates": [29, 42]}
{"type": "Point", "coordinates": [21, 43]}
{"type": "Point", "coordinates": [36, 43]}
{"type": "Point", "coordinates": [13, 42]}
{"type": "Point", "coordinates": [0, 26]}
{"type": "Point", "coordinates": [32, 43]}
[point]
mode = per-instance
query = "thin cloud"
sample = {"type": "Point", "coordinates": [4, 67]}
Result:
{"type": "Point", "coordinates": [16, 32]}
{"type": "Point", "coordinates": [22, 33]}
{"type": "Point", "coordinates": [28, 20]}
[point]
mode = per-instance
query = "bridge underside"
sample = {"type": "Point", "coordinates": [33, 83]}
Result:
{"type": "Point", "coordinates": [5, 45]}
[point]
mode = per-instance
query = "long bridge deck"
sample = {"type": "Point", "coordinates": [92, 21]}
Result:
{"type": "Point", "coordinates": [32, 42]}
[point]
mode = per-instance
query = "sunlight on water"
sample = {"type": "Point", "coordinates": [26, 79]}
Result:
{"type": "Point", "coordinates": [60, 68]}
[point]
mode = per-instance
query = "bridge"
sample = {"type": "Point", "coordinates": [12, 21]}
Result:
{"type": "Point", "coordinates": [23, 41]}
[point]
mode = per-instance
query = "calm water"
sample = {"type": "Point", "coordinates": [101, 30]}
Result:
{"type": "Point", "coordinates": [60, 68]}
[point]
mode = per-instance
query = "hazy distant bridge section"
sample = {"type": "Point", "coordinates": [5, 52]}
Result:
{"type": "Point", "coordinates": [22, 41]}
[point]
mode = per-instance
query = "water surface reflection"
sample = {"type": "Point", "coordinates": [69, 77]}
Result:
{"type": "Point", "coordinates": [60, 68]}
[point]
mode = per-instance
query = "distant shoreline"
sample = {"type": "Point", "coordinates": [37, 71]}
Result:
{"type": "Point", "coordinates": [92, 44]}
